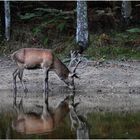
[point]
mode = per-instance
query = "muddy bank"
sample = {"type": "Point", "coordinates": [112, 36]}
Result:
{"type": "Point", "coordinates": [109, 86]}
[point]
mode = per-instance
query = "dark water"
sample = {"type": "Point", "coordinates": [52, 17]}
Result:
{"type": "Point", "coordinates": [6, 130]}
{"type": "Point", "coordinates": [101, 125]}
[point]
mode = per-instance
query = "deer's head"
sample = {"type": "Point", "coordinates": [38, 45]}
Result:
{"type": "Point", "coordinates": [72, 74]}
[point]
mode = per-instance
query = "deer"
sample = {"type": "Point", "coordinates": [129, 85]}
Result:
{"type": "Point", "coordinates": [47, 121]}
{"type": "Point", "coordinates": [39, 58]}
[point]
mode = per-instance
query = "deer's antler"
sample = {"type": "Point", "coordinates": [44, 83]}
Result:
{"type": "Point", "coordinates": [74, 56]}
{"type": "Point", "coordinates": [74, 117]}
{"type": "Point", "coordinates": [79, 61]}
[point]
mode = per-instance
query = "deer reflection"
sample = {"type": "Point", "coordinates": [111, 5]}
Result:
{"type": "Point", "coordinates": [32, 123]}
{"type": "Point", "coordinates": [48, 120]}
{"type": "Point", "coordinates": [78, 124]}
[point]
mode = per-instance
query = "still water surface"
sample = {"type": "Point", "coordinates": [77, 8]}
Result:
{"type": "Point", "coordinates": [100, 125]}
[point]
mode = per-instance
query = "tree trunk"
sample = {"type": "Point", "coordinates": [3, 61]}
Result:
{"type": "Point", "coordinates": [82, 36]}
{"type": "Point", "coordinates": [2, 26]}
{"type": "Point", "coordinates": [126, 11]}
{"type": "Point", "coordinates": [7, 19]}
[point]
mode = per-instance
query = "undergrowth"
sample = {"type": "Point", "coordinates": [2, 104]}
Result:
{"type": "Point", "coordinates": [116, 45]}
{"type": "Point", "coordinates": [113, 45]}
{"type": "Point", "coordinates": [120, 46]}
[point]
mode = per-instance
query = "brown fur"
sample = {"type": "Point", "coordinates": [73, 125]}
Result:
{"type": "Point", "coordinates": [32, 123]}
{"type": "Point", "coordinates": [37, 58]}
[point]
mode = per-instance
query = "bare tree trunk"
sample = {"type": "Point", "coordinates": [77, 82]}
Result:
{"type": "Point", "coordinates": [2, 20]}
{"type": "Point", "coordinates": [7, 19]}
{"type": "Point", "coordinates": [82, 36]}
{"type": "Point", "coordinates": [126, 11]}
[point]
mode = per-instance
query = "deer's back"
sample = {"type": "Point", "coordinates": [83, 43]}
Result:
{"type": "Point", "coordinates": [33, 57]}
{"type": "Point", "coordinates": [33, 124]}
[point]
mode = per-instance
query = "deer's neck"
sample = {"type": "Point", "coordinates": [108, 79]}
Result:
{"type": "Point", "coordinates": [60, 113]}
{"type": "Point", "coordinates": [61, 70]}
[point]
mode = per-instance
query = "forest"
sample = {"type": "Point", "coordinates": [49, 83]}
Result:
{"type": "Point", "coordinates": [69, 69]}
{"type": "Point", "coordinates": [53, 25]}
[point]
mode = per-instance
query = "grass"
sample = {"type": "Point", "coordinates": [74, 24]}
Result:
{"type": "Point", "coordinates": [117, 48]}
{"type": "Point", "coordinates": [112, 45]}
{"type": "Point", "coordinates": [111, 52]}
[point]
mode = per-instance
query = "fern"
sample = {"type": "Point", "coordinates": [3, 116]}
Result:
{"type": "Point", "coordinates": [61, 26]}
{"type": "Point", "coordinates": [134, 30]}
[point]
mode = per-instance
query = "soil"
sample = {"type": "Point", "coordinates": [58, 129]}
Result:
{"type": "Point", "coordinates": [107, 86]}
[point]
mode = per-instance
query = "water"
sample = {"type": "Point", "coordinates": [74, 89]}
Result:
{"type": "Point", "coordinates": [100, 125]}
{"type": "Point", "coordinates": [6, 130]}
{"type": "Point", "coordinates": [114, 125]}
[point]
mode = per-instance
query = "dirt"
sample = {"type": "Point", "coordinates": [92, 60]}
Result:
{"type": "Point", "coordinates": [107, 86]}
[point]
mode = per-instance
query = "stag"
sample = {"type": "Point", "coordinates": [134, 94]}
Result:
{"type": "Point", "coordinates": [35, 58]}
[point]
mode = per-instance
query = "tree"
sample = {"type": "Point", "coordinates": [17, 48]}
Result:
{"type": "Point", "coordinates": [126, 11]}
{"type": "Point", "coordinates": [82, 35]}
{"type": "Point", "coordinates": [2, 26]}
{"type": "Point", "coordinates": [7, 19]}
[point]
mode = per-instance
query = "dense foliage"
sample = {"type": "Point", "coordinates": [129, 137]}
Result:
{"type": "Point", "coordinates": [53, 25]}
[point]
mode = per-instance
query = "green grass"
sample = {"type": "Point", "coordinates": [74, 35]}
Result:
{"type": "Point", "coordinates": [111, 52]}
{"type": "Point", "coordinates": [117, 49]}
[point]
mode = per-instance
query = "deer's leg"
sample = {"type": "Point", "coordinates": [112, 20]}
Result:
{"type": "Point", "coordinates": [19, 108]}
{"type": "Point", "coordinates": [46, 87]}
{"type": "Point", "coordinates": [46, 110]}
{"type": "Point", "coordinates": [20, 75]}
{"type": "Point", "coordinates": [15, 73]}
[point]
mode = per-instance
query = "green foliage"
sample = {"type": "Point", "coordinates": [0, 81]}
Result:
{"type": "Point", "coordinates": [42, 9]}
{"type": "Point", "coordinates": [36, 13]}
{"type": "Point", "coordinates": [112, 52]}
{"type": "Point", "coordinates": [46, 41]}
{"type": "Point", "coordinates": [133, 30]}
{"type": "Point", "coordinates": [36, 30]}
{"type": "Point", "coordinates": [51, 24]}
{"type": "Point", "coordinates": [5, 48]}
{"type": "Point", "coordinates": [61, 26]}
{"type": "Point", "coordinates": [28, 16]}
{"type": "Point", "coordinates": [117, 49]}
